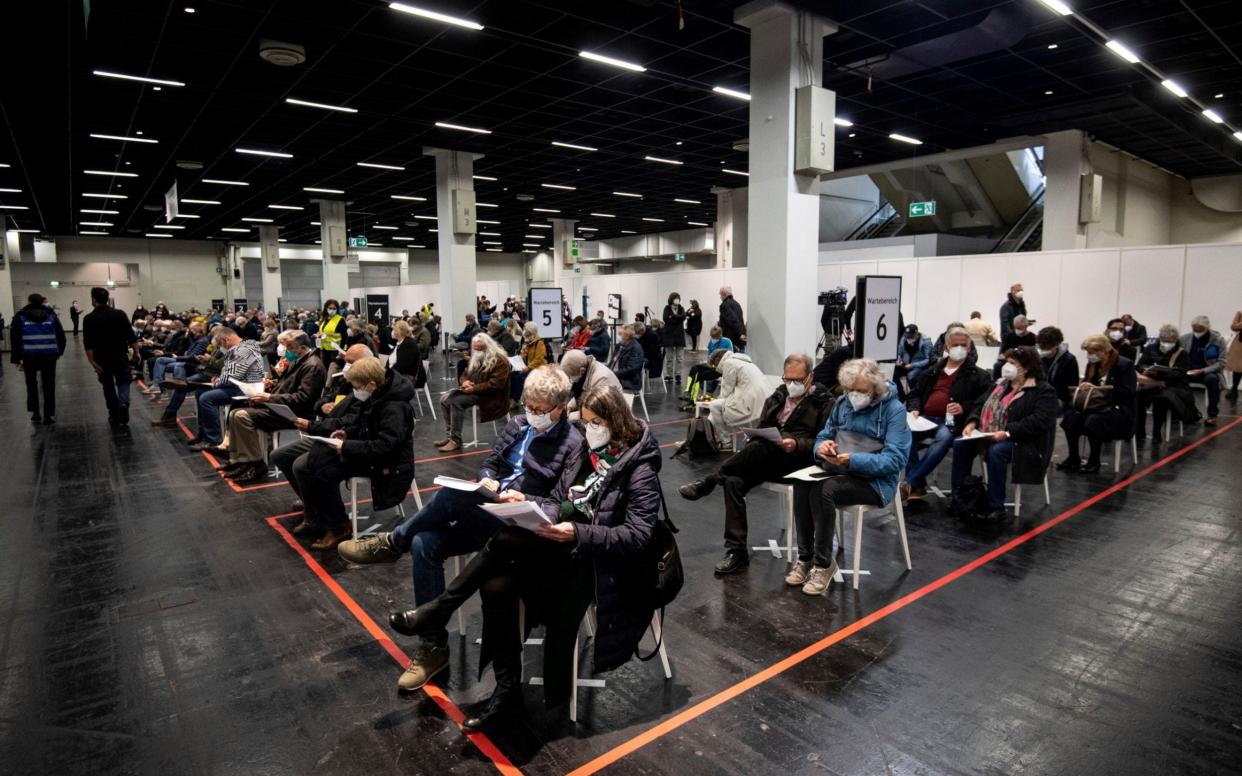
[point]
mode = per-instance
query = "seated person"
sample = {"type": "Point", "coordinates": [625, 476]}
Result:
{"type": "Point", "coordinates": [1021, 415]}
{"type": "Point", "coordinates": [1116, 333]}
{"type": "Point", "coordinates": [1108, 374]}
{"type": "Point", "coordinates": [938, 347]}
{"type": "Point", "coordinates": [244, 363]}
{"type": "Point", "coordinates": [579, 335]}
{"type": "Point", "coordinates": [913, 356]}
{"type": "Point", "coordinates": [502, 337]}
{"type": "Point", "coordinates": [716, 340]}
{"type": "Point", "coordinates": [797, 409]}
{"type": "Point", "coordinates": [483, 384]}
{"type": "Point", "coordinates": [1206, 349]}
{"type": "Point", "coordinates": [590, 553]}
{"type": "Point", "coordinates": [703, 378]}
{"type": "Point", "coordinates": [627, 362]}
{"type": "Point", "coordinates": [981, 332]}
{"type": "Point", "coordinates": [743, 391]}
{"type": "Point", "coordinates": [864, 443]}
{"type": "Point", "coordinates": [585, 373]}
{"type": "Point", "coordinates": [462, 340]}
{"type": "Point", "coordinates": [1136, 333]}
{"type": "Point", "coordinates": [374, 423]}
{"type": "Point", "coordinates": [406, 356]}
{"type": "Point", "coordinates": [653, 352]}
{"type": "Point", "coordinates": [421, 336]}
{"type": "Point", "coordinates": [599, 343]}
{"type": "Point", "coordinates": [336, 387]}
{"type": "Point", "coordinates": [534, 355]}
{"type": "Point", "coordinates": [1020, 337]}
{"type": "Point", "coordinates": [1060, 367]}
{"type": "Point", "coordinates": [944, 394]}
{"type": "Point", "coordinates": [192, 345]}
{"type": "Point", "coordinates": [205, 367]}
{"type": "Point", "coordinates": [1162, 384]}
{"type": "Point", "coordinates": [299, 385]}
{"type": "Point", "coordinates": [538, 455]}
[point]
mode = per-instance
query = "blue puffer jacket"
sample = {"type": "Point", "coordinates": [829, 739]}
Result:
{"type": "Point", "coordinates": [553, 458]}
{"type": "Point", "coordinates": [884, 420]}
{"type": "Point", "coordinates": [599, 345]}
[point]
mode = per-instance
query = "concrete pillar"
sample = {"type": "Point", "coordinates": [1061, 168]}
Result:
{"type": "Point", "coordinates": [335, 268]}
{"type": "Point", "coordinates": [269, 267]}
{"type": "Point", "coordinates": [233, 286]}
{"type": "Point", "coordinates": [783, 213]}
{"type": "Point", "coordinates": [724, 227]}
{"type": "Point", "coordinates": [562, 235]}
{"type": "Point", "coordinates": [458, 262]}
{"type": "Point", "coordinates": [1065, 162]}
{"type": "Point", "coordinates": [6, 279]}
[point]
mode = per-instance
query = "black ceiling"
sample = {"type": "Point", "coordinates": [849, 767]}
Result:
{"type": "Point", "coordinates": [953, 73]}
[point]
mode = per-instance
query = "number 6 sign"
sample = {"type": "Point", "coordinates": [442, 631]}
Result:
{"type": "Point", "coordinates": [877, 312]}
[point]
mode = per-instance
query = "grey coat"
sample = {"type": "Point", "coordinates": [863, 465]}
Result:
{"type": "Point", "coordinates": [1213, 354]}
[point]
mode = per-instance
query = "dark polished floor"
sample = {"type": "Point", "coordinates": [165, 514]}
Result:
{"type": "Point", "coordinates": [155, 621]}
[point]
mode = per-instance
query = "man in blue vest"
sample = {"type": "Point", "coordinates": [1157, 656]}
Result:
{"type": "Point", "coordinates": [38, 341]}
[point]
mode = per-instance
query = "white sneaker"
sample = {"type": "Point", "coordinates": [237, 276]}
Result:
{"type": "Point", "coordinates": [798, 573]}
{"type": "Point", "coordinates": [820, 579]}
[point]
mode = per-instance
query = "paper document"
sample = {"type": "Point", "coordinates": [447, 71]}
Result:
{"type": "Point", "coordinates": [524, 514]}
{"type": "Point", "coordinates": [977, 434]}
{"type": "Point", "coordinates": [329, 441]}
{"type": "Point", "coordinates": [282, 411]}
{"type": "Point", "coordinates": [809, 474]}
{"type": "Point", "coordinates": [919, 424]}
{"type": "Point", "coordinates": [517, 363]}
{"type": "Point", "coordinates": [247, 389]}
{"type": "Point", "coordinates": [769, 434]}
{"type": "Point", "coordinates": [335, 346]}
{"type": "Point", "coordinates": [467, 486]}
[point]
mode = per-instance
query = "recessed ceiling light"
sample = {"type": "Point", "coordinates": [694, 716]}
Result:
{"type": "Point", "coordinates": [167, 226]}
{"type": "Point", "coordinates": [95, 223]}
{"type": "Point", "coordinates": [285, 207]}
{"type": "Point", "coordinates": [494, 250]}
{"type": "Point", "coordinates": [853, 134]}
{"type": "Point", "coordinates": [1213, 116]}
{"type": "Point", "coordinates": [93, 212]}
{"type": "Point", "coordinates": [534, 236]}
{"type": "Point", "coordinates": [545, 210]}
{"type": "Point", "coordinates": [905, 139]}
{"type": "Point", "coordinates": [574, 146]}
{"type": "Point", "coordinates": [736, 172]}
{"type": "Point", "coordinates": [485, 204]}
{"type": "Point", "coordinates": [187, 215]}
{"type": "Point", "coordinates": [655, 220]}
{"type": "Point", "coordinates": [661, 160]}
{"type": "Point", "coordinates": [540, 226]}
{"type": "Point", "coordinates": [320, 105]}
{"type": "Point", "coordinates": [483, 178]}
{"type": "Point", "coordinates": [587, 229]}
{"type": "Point", "coordinates": [317, 190]}
{"type": "Point", "coordinates": [109, 196]}
{"type": "Point", "coordinates": [123, 138]}
{"type": "Point", "coordinates": [222, 182]}
{"type": "Point", "coordinates": [19, 207]}
{"type": "Point", "coordinates": [1218, 97]}
{"type": "Point", "coordinates": [402, 239]}
{"type": "Point", "coordinates": [81, 232]}
{"type": "Point", "coordinates": [463, 128]}
{"type": "Point", "coordinates": [603, 215]}
{"type": "Point", "coordinates": [198, 201]}
{"type": "Point", "coordinates": [261, 152]}
{"type": "Point", "coordinates": [612, 61]}
{"type": "Point", "coordinates": [156, 234]}
{"type": "Point", "coordinates": [558, 186]}
{"type": "Point", "coordinates": [531, 245]}
{"type": "Point", "coordinates": [1174, 87]}
{"type": "Point", "coordinates": [731, 93]}
{"type": "Point", "coordinates": [481, 221]}
{"type": "Point", "coordinates": [315, 223]}
{"type": "Point", "coordinates": [143, 79]}
{"type": "Point", "coordinates": [427, 218]}
{"type": "Point", "coordinates": [687, 201]}
{"type": "Point", "coordinates": [235, 229]}
{"type": "Point", "coordinates": [628, 231]}
{"type": "Point", "coordinates": [1123, 52]}
{"type": "Point", "coordinates": [388, 228]}
{"type": "Point", "coordinates": [1052, 46]}
{"type": "Point", "coordinates": [627, 194]}
{"type": "Point", "coordinates": [1058, 6]}
{"type": "Point", "coordinates": [10, 191]}
{"type": "Point", "coordinates": [378, 166]}
{"type": "Point", "coordinates": [696, 223]}
{"type": "Point", "coordinates": [259, 220]}
{"type": "Point", "coordinates": [110, 174]}
{"type": "Point", "coordinates": [490, 234]}
{"type": "Point", "coordinates": [438, 17]}
{"type": "Point", "coordinates": [840, 122]}
{"type": "Point", "coordinates": [1047, 92]}
{"type": "Point", "coordinates": [1237, 136]}
{"type": "Point", "coordinates": [409, 198]}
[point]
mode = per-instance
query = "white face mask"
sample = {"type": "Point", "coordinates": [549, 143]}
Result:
{"type": "Point", "coordinates": [1093, 358]}
{"type": "Point", "coordinates": [1116, 335]}
{"type": "Point", "coordinates": [362, 394]}
{"type": "Point", "coordinates": [796, 388]}
{"type": "Point", "coordinates": [597, 436]}
{"type": "Point", "coordinates": [1044, 353]}
{"type": "Point", "coordinates": [1165, 347]}
{"type": "Point", "coordinates": [1009, 372]}
{"type": "Point", "coordinates": [958, 353]}
{"type": "Point", "coordinates": [1017, 295]}
{"type": "Point", "coordinates": [859, 400]}
{"type": "Point", "coordinates": [539, 421]}
{"type": "Point", "coordinates": [280, 350]}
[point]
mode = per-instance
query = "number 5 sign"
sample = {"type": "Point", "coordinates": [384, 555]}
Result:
{"type": "Point", "coordinates": [544, 308]}
{"type": "Point", "coordinates": [877, 313]}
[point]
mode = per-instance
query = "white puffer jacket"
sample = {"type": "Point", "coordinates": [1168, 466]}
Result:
{"type": "Point", "coordinates": [743, 389]}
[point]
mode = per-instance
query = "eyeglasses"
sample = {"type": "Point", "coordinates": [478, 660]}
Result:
{"type": "Point", "coordinates": [538, 410]}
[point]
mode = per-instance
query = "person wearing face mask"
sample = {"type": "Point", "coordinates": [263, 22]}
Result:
{"type": "Point", "coordinates": [743, 391]}
{"type": "Point", "coordinates": [374, 425]}
{"type": "Point", "coordinates": [1135, 332]}
{"type": "Point", "coordinates": [673, 334]}
{"type": "Point", "coordinates": [946, 392]}
{"type": "Point", "coordinates": [599, 344]}
{"type": "Point", "coordinates": [1020, 336]}
{"type": "Point", "coordinates": [538, 455]}
{"type": "Point", "coordinates": [589, 554]}
{"type": "Point", "coordinates": [585, 373]}
{"type": "Point", "coordinates": [1162, 385]}
{"type": "Point", "coordinates": [913, 356]}
{"type": "Point", "coordinates": [627, 362]}
{"type": "Point", "coordinates": [864, 444]}
{"type": "Point", "coordinates": [694, 324]}
{"type": "Point", "coordinates": [484, 383]}
{"type": "Point", "coordinates": [1020, 414]}
{"type": "Point", "coordinates": [1059, 365]}
{"type": "Point", "coordinates": [299, 385]}
{"type": "Point", "coordinates": [1015, 305]}
{"type": "Point", "coordinates": [1103, 406]}
{"type": "Point", "coordinates": [981, 332]}
{"type": "Point", "coordinates": [336, 388]}
{"type": "Point", "coordinates": [534, 354]}
{"type": "Point", "coordinates": [331, 326]}
{"type": "Point", "coordinates": [405, 356]}
{"type": "Point", "coordinates": [797, 410]}
{"type": "Point", "coordinates": [243, 363]}
{"type": "Point", "coordinates": [579, 334]}
{"type": "Point", "coordinates": [1115, 330]}
{"type": "Point", "coordinates": [1206, 349]}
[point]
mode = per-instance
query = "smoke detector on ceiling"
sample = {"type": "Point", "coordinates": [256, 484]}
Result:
{"type": "Point", "coordinates": [283, 54]}
{"type": "Point", "coordinates": [741, 145]}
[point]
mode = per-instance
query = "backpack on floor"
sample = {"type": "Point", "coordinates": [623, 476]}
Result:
{"type": "Point", "coordinates": [700, 439]}
{"type": "Point", "coordinates": [970, 499]}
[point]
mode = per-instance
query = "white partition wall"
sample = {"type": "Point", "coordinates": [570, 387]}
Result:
{"type": "Point", "coordinates": [413, 297]}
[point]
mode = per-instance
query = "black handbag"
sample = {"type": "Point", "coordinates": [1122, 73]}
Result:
{"type": "Point", "coordinates": [662, 570]}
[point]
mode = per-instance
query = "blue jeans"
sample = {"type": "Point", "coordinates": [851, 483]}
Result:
{"type": "Point", "coordinates": [209, 404]}
{"type": "Point", "coordinates": [178, 396]}
{"type": "Point", "coordinates": [921, 465]}
{"type": "Point", "coordinates": [998, 455]}
{"type": "Point", "coordinates": [451, 523]}
{"type": "Point", "coordinates": [162, 365]}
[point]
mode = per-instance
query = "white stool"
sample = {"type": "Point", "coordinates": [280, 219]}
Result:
{"type": "Point", "coordinates": [474, 424]}
{"type": "Point", "coordinates": [786, 493]}
{"type": "Point", "coordinates": [859, 511]}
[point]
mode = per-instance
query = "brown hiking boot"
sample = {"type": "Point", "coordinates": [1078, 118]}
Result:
{"type": "Point", "coordinates": [369, 549]}
{"type": "Point", "coordinates": [427, 661]}
{"type": "Point", "coordinates": [331, 539]}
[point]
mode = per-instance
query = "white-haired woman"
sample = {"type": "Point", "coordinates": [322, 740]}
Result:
{"type": "Point", "coordinates": [484, 383]}
{"type": "Point", "coordinates": [864, 445]}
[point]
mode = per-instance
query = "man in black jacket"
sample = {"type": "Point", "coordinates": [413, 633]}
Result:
{"type": "Point", "coordinates": [109, 342]}
{"type": "Point", "coordinates": [38, 343]}
{"type": "Point", "coordinates": [1136, 333]}
{"type": "Point", "coordinates": [1014, 306]}
{"type": "Point", "coordinates": [1060, 365]}
{"type": "Point", "coordinates": [731, 319]}
{"type": "Point", "coordinates": [944, 394]}
{"type": "Point", "coordinates": [797, 410]}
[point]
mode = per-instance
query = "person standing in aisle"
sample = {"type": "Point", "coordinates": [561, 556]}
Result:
{"type": "Point", "coordinates": [1014, 306]}
{"type": "Point", "coordinates": [674, 336]}
{"type": "Point", "coordinates": [731, 322]}
{"type": "Point", "coordinates": [38, 342]}
{"type": "Point", "coordinates": [110, 345]}
{"type": "Point", "coordinates": [694, 324]}
{"type": "Point", "coordinates": [75, 315]}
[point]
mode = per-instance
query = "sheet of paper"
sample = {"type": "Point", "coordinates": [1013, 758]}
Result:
{"type": "Point", "coordinates": [329, 441]}
{"type": "Point", "coordinates": [809, 474]}
{"type": "Point", "coordinates": [247, 389]}
{"type": "Point", "coordinates": [977, 434]}
{"type": "Point", "coordinates": [282, 411]}
{"type": "Point", "coordinates": [769, 434]}
{"type": "Point", "coordinates": [919, 424]}
{"type": "Point", "coordinates": [524, 514]}
{"type": "Point", "coordinates": [517, 363]}
{"type": "Point", "coordinates": [335, 346]}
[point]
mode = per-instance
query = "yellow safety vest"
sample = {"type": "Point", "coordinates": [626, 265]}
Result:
{"type": "Point", "coordinates": [329, 334]}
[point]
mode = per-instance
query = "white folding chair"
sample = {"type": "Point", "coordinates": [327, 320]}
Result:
{"type": "Point", "coordinates": [474, 425]}
{"type": "Point", "coordinates": [786, 493]}
{"type": "Point", "coordinates": [1017, 497]}
{"type": "Point", "coordinates": [1117, 453]}
{"type": "Point", "coordinates": [629, 397]}
{"type": "Point", "coordinates": [353, 506]}
{"type": "Point", "coordinates": [859, 511]}
{"type": "Point", "coordinates": [418, 403]}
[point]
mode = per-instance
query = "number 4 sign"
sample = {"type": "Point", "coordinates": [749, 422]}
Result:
{"type": "Point", "coordinates": [877, 313]}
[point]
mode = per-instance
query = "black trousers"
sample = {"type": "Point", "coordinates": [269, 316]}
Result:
{"type": "Point", "coordinates": [33, 368]}
{"type": "Point", "coordinates": [756, 463]}
{"type": "Point", "coordinates": [319, 473]}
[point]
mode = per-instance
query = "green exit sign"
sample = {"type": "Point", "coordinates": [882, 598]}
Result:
{"type": "Point", "coordinates": [679, 257]}
{"type": "Point", "coordinates": [357, 242]}
{"type": "Point", "coordinates": [922, 209]}
{"type": "Point", "coordinates": [573, 248]}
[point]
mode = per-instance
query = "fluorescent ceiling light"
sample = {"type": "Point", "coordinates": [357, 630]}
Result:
{"type": "Point", "coordinates": [167, 226]}
{"type": "Point", "coordinates": [531, 245]}
{"type": "Point", "coordinates": [88, 210]}
{"type": "Point", "coordinates": [587, 229]}
{"type": "Point", "coordinates": [123, 138]}
{"type": "Point", "coordinates": [485, 204]}
{"type": "Point", "coordinates": [1123, 52]}
{"type": "Point", "coordinates": [261, 152]}
{"type": "Point", "coordinates": [315, 223]}
{"type": "Point", "coordinates": [545, 210]}
{"type": "Point", "coordinates": [481, 221]}
{"type": "Point", "coordinates": [483, 178]}
{"type": "Point", "coordinates": [696, 223]}
{"type": "Point", "coordinates": [1174, 87]}
{"type": "Point", "coordinates": [574, 146]}
{"type": "Point", "coordinates": [259, 220]}
{"type": "Point", "coordinates": [109, 174]}
{"type": "Point", "coordinates": [627, 194]}
{"type": "Point", "coordinates": [187, 215]}
{"type": "Point", "coordinates": [1213, 116]}
{"type": "Point", "coordinates": [1058, 6]}
{"type": "Point", "coordinates": [409, 198]}
{"type": "Point", "coordinates": [26, 231]}
{"type": "Point", "coordinates": [88, 232]}
{"type": "Point", "coordinates": [10, 191]}
{"type": "Point", "coordinates": [628, 231]}
{"type": "Point", "coordinates": [321, 105]}
{"type": "Point", "coordinates": [390, 228]}
{"type": "Point", "coordinates": [687, 201]}
{"type": "Point", "coordinates": [156, 234]}
{"type": "Point", "coordinates": [661, 161]}
{"type": "Point", "coordinates": [221, 182]}
{"type": "Point", "coordinates": [402, 239]}
{"type": "Point", "coordinates": [143, 79]}
{"type": "Point", "coordinates": [95, 223]}
{"type": "Point", "coordinates": [285, 207]}
{"type": "Point", "coordinates": [317, 190]}
{"type": "Point", "coordinates": [462, 128]}
{"type": "Point", "coordinates": [197, 201]}
{"type": "Point", "coordinates": [1237, 136]}
{"type": "Point", "coordinates": [611, 61]}
{"type": "Point", "coordinates": [540, 226]}
{"type": "Point", "coordinates": [490, 234]}
{"type": "Point", "coordinates": [736, 172]}
{"type": "Point", "coordinates": [603, 215]}
{"type": "Point", "coordinates": [535, 236]}
{"type": "Point", "coordinates": [113, 196]}
{"type": "Point", "coordinates": [235, 229]}
{"type": "Point", "coordinates": [905, 139]}
{"type": "Point", "coordinates": [840, 122]}
{"type": "Point", "coordinates": [428, 218]}
{"type": "Point", "coordinates": [438, 17]}
{"type": "Point", "coordinates": [654, 220]}
{"type": "Point", "coordinates": [19, 207]}
{"type": "Point", "coordinates": [731, 93]}
{"type": "Point", "coordinates": [558, 186]}
{"type": "Point", "coordinates": [377, 166]}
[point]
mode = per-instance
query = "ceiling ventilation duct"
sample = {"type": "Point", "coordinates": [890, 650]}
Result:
{"type": "Point", "coordinates": [283, 54]}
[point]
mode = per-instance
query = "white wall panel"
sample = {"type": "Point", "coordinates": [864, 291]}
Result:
{"type": "Point", "coordinates": [1089, 286]}
{"type": "Point", "coordinates": [909, 273]}
{"type": "Point", "coordinates": [1213, 285]}
{"type": "Point", "coordinates": [1151, 282]}
{"type": "Point", "coordinates": [1040, 276]}
{"type": "Point", "coordinates": [939, 293]}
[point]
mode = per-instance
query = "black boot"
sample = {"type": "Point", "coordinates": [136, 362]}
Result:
{"type": "Point", "coordinates": [693, 491]}
{"type": "Point", "coordinates": [506, 701]}
{"type": "Point", "coordinates": [433, 616]}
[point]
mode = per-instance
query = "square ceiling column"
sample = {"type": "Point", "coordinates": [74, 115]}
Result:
{"type": "Point", "coordinates": [458, 260]}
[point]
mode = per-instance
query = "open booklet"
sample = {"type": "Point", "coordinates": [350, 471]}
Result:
{"type": "Point", "coordinates": [517, 363]}
{"type": "Point", "coordinates": [329, 441]}
{"type": "Point", "coordinates": [977, 434]}
{"type": "Point", "coordinates": [770, 434]}
{"type": "Point", "coordinates": [524, 514]}
{"type": "Point", "coordinates": [919, 424]}
{"type": "Point", "coordinates": [466, 486]}
{"type": "Point", "coordinates": [248, 389]}
{"type": "Point", "coordinates": [282, 411]}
